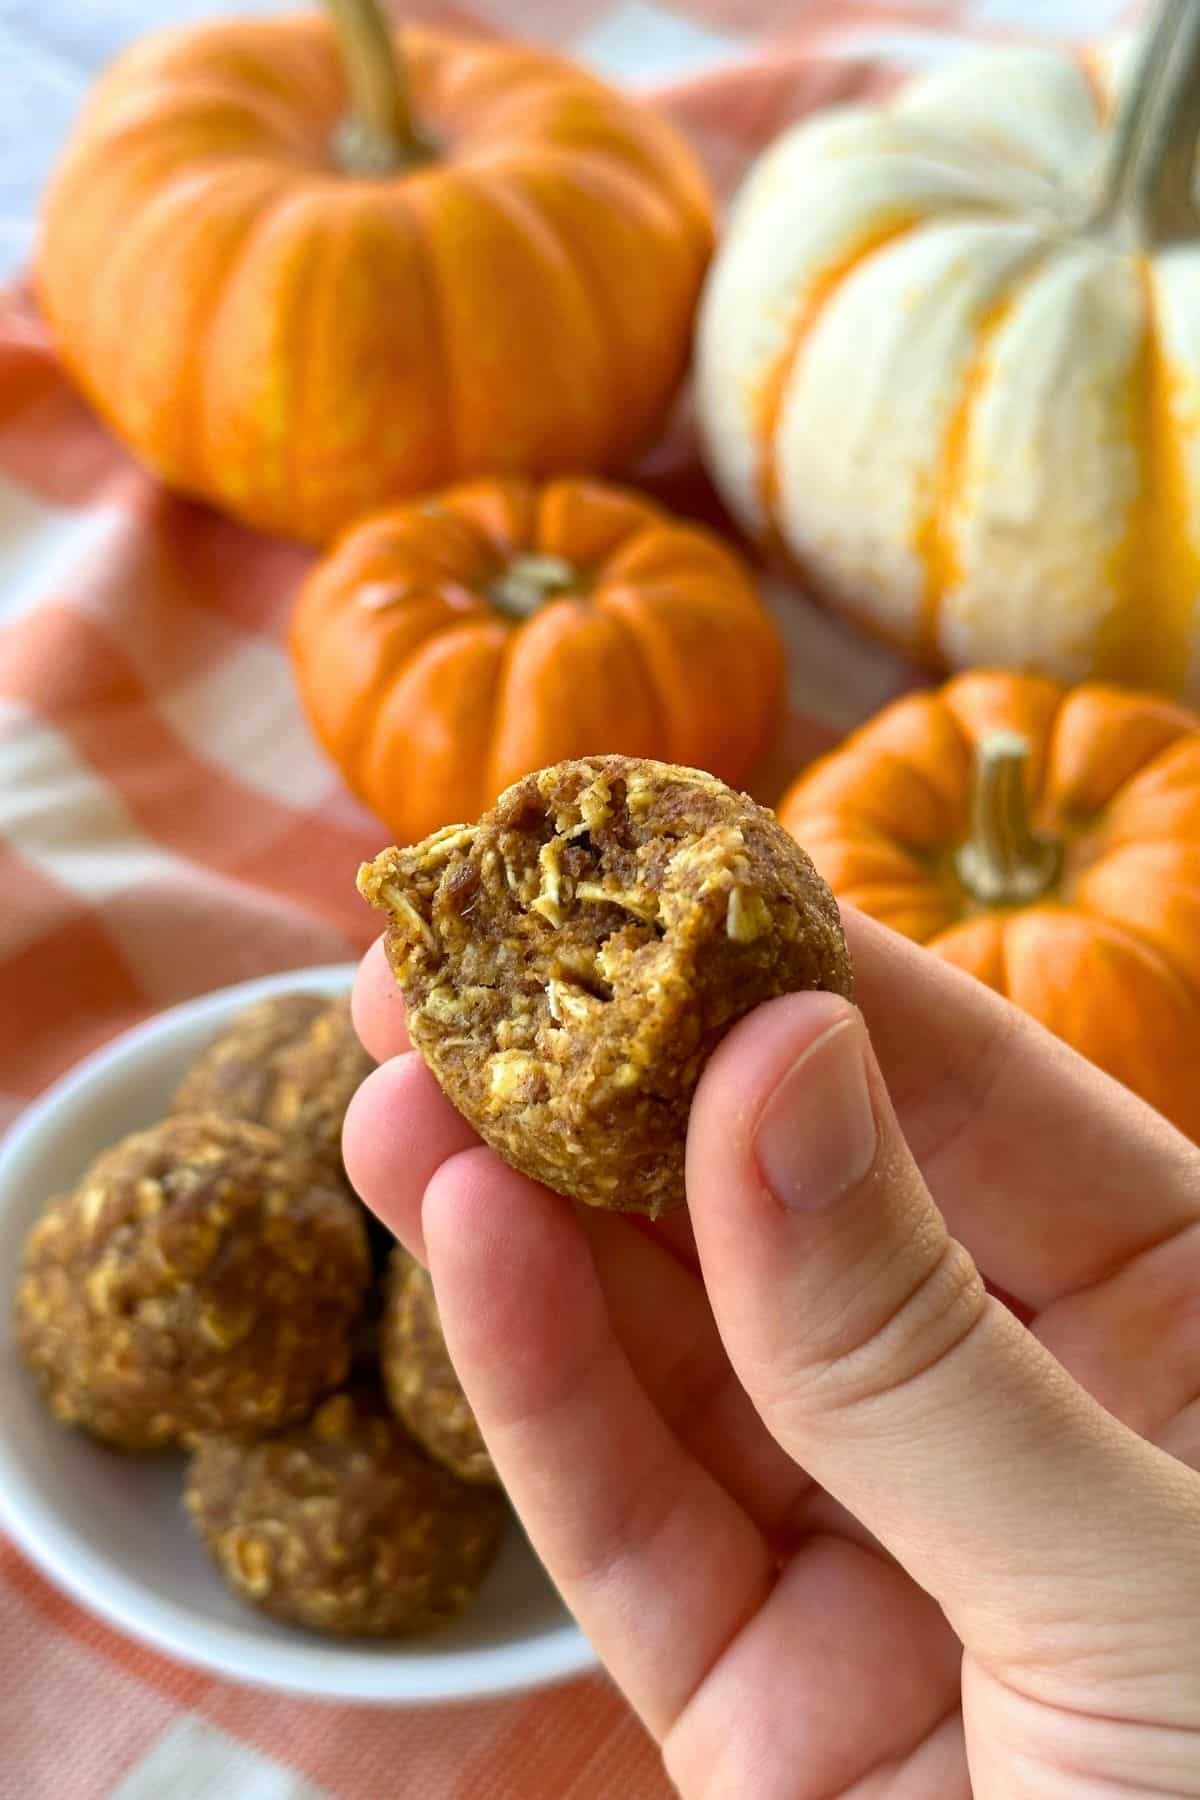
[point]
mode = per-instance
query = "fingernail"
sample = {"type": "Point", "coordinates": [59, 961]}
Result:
{"type": "Point", "coordinates": [817, 1135]}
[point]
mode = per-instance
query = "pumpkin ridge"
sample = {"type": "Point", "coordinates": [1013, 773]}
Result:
{"type": "Point", "coordinates": [269, 115]}
{"type": "Point", "coordinates": [310, 66]}
{"type": "Point", "coordinates": [485, 789]}
{"type": "Point", "coordinates": [165, 205]}
{"type": "Point", "coordinates": [349, 750]}
{"type": "Point", "coordinates": [357, 213]}
{"type": "Point", "coordinates": [253, 139]}
{"type": "Point", "coordinates": [1146, 773]}
{"type": "Point", "coordinates": [526, 113]}
{"type": "Point", "coordinates": [582, 646]}
{"type": "Point", "coordinates": [910, 773]}
{"type": "Point", "coordinates": [692, 555]}
{"type": "Point", "coordinates": [625, 515]}
{"type": "Point", "coordinates": [453, 542]}
{"type": "Point", "coordinates": [489, 783]}
{"type": "Point", "coordinates": [546, 246]}
{"type": "Point", "coordinates": [496, 515]}
{"type": "Point", "coordinates": [430, 647]}
{"type": "Point", "coordinates": [589, 278]}
{"type": "Point", "coordinates": [1146, 645]}
{"type": "Point", "coordinates": [411, 195]}
{"type": "Point", "coordinates": [320, 243]}
{"type": "Point", "coordinates": [913, 873]}
{"type": "Point", "coordinates": [1175, 978]}
{"type": "Point", "coordinates": [747, 672]}
{"type": "Point", "coordinates": [643, 150]}
{"type": "Point", "coordinates": [457, 387]}
{"type": "Point", "coordinates": [193, 391]}
{"type": "Point", "coordinates": [659, 705]}
{"type": "Point", "coordinates": [1040, 796]}
{"type": "Point", "coordinates": [318, 285]}
{"type": "Point", "coordinates": [774, 383]}
{"type": "Point", "coordinates": [275, 54]}
{"type": "Point", "coordinates": [210, 466]}
{"type": "Point", "coordinates": [933, 537]}
{"type": "Point", "coordinates": [1098, 814]}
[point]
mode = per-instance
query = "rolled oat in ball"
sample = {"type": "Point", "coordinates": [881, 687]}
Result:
{"type": "Point", "coordinates": [570, 962]}
{"type": "Point", "coordinates": [340, 1525]}
{"type": "Point", "coordinates": [424, 1392]}
{"type": "Point", "coordinates": [204, 1276]}
{"type": "Point", "coordinates": [291, 1062]}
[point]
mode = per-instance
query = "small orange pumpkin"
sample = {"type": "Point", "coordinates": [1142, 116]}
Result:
{"type": "Point", "coordinates": [448, 647]}
{"type": "Point", "coordinates": [305, 271]}
{"type": "Point", "coordinates": [1045, 839]}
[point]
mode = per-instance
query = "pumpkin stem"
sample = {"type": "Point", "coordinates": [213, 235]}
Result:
{"type": "Point", "coordinates": [379, 136]}
{"type": "Point", "coordinates": [1148, 194]}
{"type": "Point", "coordinates": [1004, 862]}
{"type": "Point", "coordinates": [529, 581]}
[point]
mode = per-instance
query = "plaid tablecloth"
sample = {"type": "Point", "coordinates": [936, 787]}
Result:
{"type": "Point", "coordinates": [166, 826]}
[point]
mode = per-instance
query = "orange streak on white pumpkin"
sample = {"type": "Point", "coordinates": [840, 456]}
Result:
{"type": "Point", "coordinates": [820, 290]}
{"type": "Point", "coordinates": [934, 538]}
{"type": "Point", "coordinates": [1146, 640]}
{"type": "Point", "coordinates": [1096, 82]}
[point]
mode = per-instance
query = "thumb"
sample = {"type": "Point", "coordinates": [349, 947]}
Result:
{"type": "Point", "coordinates": [864, 1335]}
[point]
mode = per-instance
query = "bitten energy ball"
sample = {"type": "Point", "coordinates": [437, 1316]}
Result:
{"type": "Point", "coordinates": [291, 1062]}
{"type": "Point", "coordinates": [570, 962]}
{"type": "Point", "coordinates": [341, 1525]}
{"type": "Point", "coordinates": [204, 1276]}
{"type": "Point", "coordinates": [422, 1388]}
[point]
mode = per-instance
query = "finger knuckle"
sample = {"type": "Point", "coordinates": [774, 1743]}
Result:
{"type": "Point", "coordinates": [915, 1319]}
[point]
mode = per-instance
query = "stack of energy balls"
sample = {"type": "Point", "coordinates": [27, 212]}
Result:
{"type": "Point", "coordinates": [213, 1284]}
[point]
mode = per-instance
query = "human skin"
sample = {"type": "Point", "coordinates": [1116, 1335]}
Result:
{"type": "Point", "coordinates": [836, 1520]}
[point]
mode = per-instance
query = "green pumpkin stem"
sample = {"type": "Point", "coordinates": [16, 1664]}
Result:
{"type": "Point", "coordinates": [529, 581]}
{"type": "Point", "coordinates": [1148, 196]}
{"type": "Point", "coordinates": [1004, 862]}
{"type": "Point", "coordinates": [378, 137]}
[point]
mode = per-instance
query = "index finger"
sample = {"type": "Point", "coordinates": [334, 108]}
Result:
{"type": "Point", "coordinates": [377, 1007]}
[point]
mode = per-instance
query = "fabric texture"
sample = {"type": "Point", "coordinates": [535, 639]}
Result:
{"type": "Point", "coordinates": [167, 826]}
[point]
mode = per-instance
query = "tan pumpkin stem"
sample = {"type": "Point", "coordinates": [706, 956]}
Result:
{"type": "Point", "coordinates": [529, 581]}
{"type": "Point", "coordinates": [1149, 185]}
{"type": "Point", "coordinates": [379, 136]}
{"type": "Point", "coordinates": [1004, 862]}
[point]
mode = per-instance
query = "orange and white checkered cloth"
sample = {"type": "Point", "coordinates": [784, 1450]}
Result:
{"type": "Point", "coordinates": [166, 827]}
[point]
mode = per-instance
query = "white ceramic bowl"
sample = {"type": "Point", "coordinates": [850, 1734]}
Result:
{"type": "Point", "coordinates": [111, 1529]}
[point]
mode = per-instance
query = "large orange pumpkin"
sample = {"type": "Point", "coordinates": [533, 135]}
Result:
{"type": "Point", "coordinates": [447, 647]}
{"type": "Point", "coordinates": [1046, 839]}
{"type": "Point", "coordinates": [303, 275]}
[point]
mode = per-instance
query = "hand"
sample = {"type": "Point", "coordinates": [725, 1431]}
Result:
{"type": "Point", "coordinates": [835, 1519]}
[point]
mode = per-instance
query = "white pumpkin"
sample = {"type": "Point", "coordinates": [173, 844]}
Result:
{"type": "Point", "coordinates": [949, 360]}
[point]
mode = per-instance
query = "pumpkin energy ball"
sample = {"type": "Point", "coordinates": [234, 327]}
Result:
{"type": "Point", "coordinates": [570, 962]}
{"type": "Point", "coordinates": [292, 1062]}
{"type": "Point", "coordinates": [340, 1525]}
{"type": "Point", "coordinates": [422, 1388]}
{"type": "Point", "coordinates": [204, 1276]}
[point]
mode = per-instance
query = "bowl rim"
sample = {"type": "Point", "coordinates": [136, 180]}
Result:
{"type": "Point", "coordinates": [327, 1669]}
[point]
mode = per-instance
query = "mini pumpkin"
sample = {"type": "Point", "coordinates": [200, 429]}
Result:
{"type": "Point", "coordinates": [949, 365]}
{"type": "Point", "coordinates": [447, 647]}
{"type": "Point", "coordinates": [1045, 839]}
{"type": "Point", "coordinates": [304, 270]}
